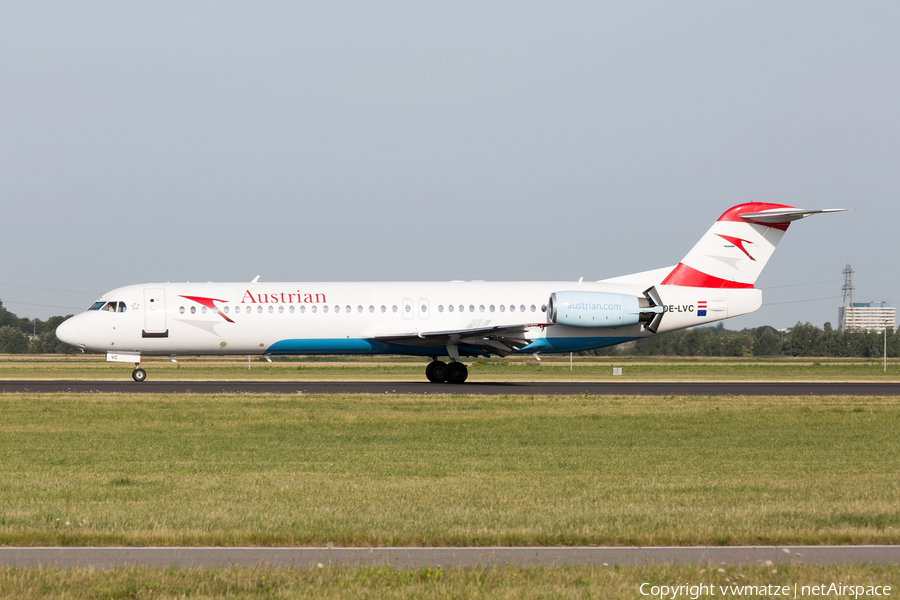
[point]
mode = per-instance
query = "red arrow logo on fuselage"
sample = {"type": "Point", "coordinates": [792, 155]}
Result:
{"type": "Point", "coordinates": [737, 242]}
{"type": "Point", "coordinates": [208, 303]}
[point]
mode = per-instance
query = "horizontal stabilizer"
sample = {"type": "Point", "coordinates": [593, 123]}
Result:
{"type": "Point", "coordinates": [784, 215]}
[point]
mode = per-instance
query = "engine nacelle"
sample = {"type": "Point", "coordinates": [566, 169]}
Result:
{"type": "Point", "coordinates": [599, 309]}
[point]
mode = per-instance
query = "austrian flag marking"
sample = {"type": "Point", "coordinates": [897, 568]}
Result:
{"type": "Point", "coordinates": [701, 308]}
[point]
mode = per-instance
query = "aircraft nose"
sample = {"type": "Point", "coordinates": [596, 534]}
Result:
{"type": "Point", "coordinates": [68, 333]}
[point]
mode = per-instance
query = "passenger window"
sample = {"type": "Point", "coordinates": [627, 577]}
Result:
{"type": "Point", "coordinates": [359, 308]}
{"type": "Point", "coordinates": [203, 310]}
{"type": "Point", "coordinates": [522, 308]}
{"type": "Point", "coordinates": [492, 308]}
{"type": "Point", "coordinates": [281, 310]}
{"type": "Point", "coordinates": [543, 308]}
{"type": "Point", "coordinates": [450, 308]}
{"type": "Point", "coordinates": [481, 308]}
{"type": "Point", "coordinates": [324, 309]}
{"type": "Point", "coordinates": [248, 310]}
{"type": "Point", "coordinates": [291, 309]}
{"type": "Point", "coordinates": [407, 308]}
{"type": "Point", "coordinates": [337, 309]}
{"type": "Point", "coordinates": [181, 309]}
{"type": "Point", "coordinates": [394, 308]}
{"type": "Point", "coordinates": [502, 308]}
{"type": "Point", "coordinates": [302, 309]}
{"type": "Point", "coordinates": [259, 309]}
{"type": "Point", "coordinates": [440, 308]}
{"type": "Point", "coordinates": [462, 308]}
{"type": "Point", "coordinates": [371, 308]}
{"type": "Point", "coordinates": [471, 308]}
{"type": "Point", "coordinates": [512, 308]}
{"type": "Point", "coordinates": [314, 309]}
{"type": "Point", "coordinates": [383, 308]}
{"type": "Point", "coordinates": [193, 310]}
{"type": "Point", "coordinates": [271, 309]}
{"type": "Point", "coordinates": [350, 309]}
{"type": "Point", "coordinates": [226, 310]}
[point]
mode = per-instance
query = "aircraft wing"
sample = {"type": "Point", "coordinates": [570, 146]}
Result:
{"type": "Point", "coordinates": [501, 340]}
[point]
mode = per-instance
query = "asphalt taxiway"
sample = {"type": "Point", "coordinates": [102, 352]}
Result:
{"type": "Point", "coordinates": [545, 388]}
{"type": "Point", "coordinates": [217, 557]}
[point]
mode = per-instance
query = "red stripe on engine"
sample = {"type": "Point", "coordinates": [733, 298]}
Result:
{"type": "Point", "coordinates": [686, 276]}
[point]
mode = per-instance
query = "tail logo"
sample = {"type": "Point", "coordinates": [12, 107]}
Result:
{"type": "Point", "coordinates": [737, 242]}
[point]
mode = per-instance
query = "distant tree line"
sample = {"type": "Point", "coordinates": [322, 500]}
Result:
{"type": "Point", "coordinates": [804, 339]}
{"type": "Point", "coordinates": [16, 333]}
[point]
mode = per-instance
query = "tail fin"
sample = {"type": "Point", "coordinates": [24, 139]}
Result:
{"type": "Point", "coordinates": [734, 251]}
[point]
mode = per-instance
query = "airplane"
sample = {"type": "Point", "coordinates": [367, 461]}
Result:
{"type": "Point", "coordinates": [454, 319]}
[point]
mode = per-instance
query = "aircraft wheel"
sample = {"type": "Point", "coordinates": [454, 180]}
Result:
{"type": "Point", "coordinates": [436, 371]}
{"type": "Point", "coordinates": [139, 375]}
{"type": "Point", "coordinates": [457, 372]}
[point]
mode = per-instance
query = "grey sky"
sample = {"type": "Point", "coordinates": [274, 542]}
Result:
{"type": "Point", "coordinates": [382, 141]}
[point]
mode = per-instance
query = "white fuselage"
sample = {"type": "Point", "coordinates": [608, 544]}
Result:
{"type": "Point", "coordinates": [349, 318]}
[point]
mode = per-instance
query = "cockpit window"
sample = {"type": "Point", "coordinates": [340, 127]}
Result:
{"type": "Point", "coordinates": [109, 306]}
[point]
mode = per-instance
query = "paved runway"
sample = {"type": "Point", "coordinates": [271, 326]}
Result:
{"type": "Point", "coordinates": [406, 387]}
{"type": "Point", "coordinates": [103, 558]}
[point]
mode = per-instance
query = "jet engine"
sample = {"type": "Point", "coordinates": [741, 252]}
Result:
{"type": "Point", "coordinates": [604, 309]}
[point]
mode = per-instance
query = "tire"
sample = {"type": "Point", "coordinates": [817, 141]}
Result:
{"type": "Point", "coordinates": [457, 373]}
{"type": "Point", "coordinates": [436, 372]}
{"type": "Point", "coordinates": [139, 375]}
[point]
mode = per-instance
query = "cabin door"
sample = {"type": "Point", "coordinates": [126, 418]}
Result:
{"type": "Point", "coordinates": [155, 311]}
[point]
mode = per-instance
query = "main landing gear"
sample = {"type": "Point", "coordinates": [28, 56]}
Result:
{"type": "Point", "coordinates": [139, 374]}
{"type": "Point", "coordinates": [440, 372]}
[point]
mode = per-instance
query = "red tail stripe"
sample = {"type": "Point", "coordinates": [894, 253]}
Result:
{"type": "Point", "coordinates": [733, 213]}
{"type": "Point", "coordinates": [686, 276]}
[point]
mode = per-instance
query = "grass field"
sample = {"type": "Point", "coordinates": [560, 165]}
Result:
{"type": "Point", "coordinates": [447, 470]}
{"type": "Point", "coordinates": [553, 368]}
{"type": "Point", "coordinates": [581, 582]}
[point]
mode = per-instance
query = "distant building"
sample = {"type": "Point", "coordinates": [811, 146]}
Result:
{"type": "Point", "coordinates": [867, 315]}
